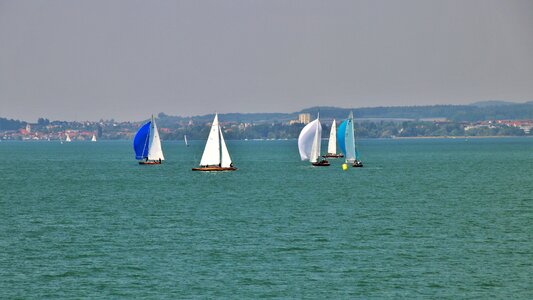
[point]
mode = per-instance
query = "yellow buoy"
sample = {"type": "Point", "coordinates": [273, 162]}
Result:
{"type": "Point", "coordinates": [344, 167]}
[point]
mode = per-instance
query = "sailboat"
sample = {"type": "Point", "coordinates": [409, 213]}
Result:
{"type": "Point", "coordinates": [67, 139]}
{"type": "Point", "coordinates": [332, 143]}
{"type": "Point", "coordinates": [93, 139]}
{"type": "Point", "coordinates": [147, 144]}
{"type": "Point", "coordinates": [309, 142]}
{"type": "Point", "coordinates": [346, 138]}
{"type": "Point", "coordinates": [216, 156]}
{"type": "Point", "coordinates": [185, 139]}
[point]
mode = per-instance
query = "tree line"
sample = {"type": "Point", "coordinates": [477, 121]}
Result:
{"type": "Point", "coordinates": [365, 129]}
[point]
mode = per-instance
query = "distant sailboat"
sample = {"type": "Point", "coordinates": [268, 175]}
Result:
{"type": "Point", "coordinates": [309, 142]}
{"type": "Point", "coordinates": [346, 138]}
{"type": "Point", "coordinates": [216, 156]}
{"type": "Point", "coordinates": [93, 139]}
{"type": "Point", "coordinates": [67, 139]}
{"type": "Point", "coordinates": [332, 143]}
{"type": "Point", "coordinates": [185, 139]}
{"type": "Point", "coordinates": [147, 144]}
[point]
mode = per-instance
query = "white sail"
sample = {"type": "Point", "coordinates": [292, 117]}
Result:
{"type": "Point", "coordinates": [68, 138]}
{"type": "Point", "coordinates": [154, 149]}
{"type": "Point", "coordinates": [332, 143]}
{"type": "Point", "coordinates": [315, 149]}
{"type": "Point", "coordinates": [185, 139]}
{"type": "Point", "coordinates": [350, 141]}
{"type": "Point", "coordinates": [93, 139]}
{"type": "Point", "coordinates": [226, 159]}
{"type": "Point", "coordinates": [307, 138]}
{"type": "Point", "coordinates": [211, 156]}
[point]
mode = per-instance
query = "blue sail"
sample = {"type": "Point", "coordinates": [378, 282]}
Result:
{"type": "Point", "coordinates": [341, 136]}
{"type": "Point", "coordinates": [142, 141]}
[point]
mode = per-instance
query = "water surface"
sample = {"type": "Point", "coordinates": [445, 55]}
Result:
{"type": "Point", "coordinates": [449, 218]}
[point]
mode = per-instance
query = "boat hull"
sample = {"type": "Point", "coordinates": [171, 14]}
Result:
{"type": "Point", "coordinates": [150, 162]}
{"type": "Point", "coordinates": [323, 163]}
{"type": "Point", "coordinates": [214, 169]}
{"type": "Point", "coordinates": [357, 164]}
{"type": "Point", "coordinates": [329, 155]}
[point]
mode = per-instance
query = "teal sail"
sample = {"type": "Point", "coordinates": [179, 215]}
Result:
{"type": "Point", "coordinates": [341, 136]}
{"type": "Point", "coordinates": [142, 141]}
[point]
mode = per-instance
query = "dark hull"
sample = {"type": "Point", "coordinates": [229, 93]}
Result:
{"type": "Point", "coordinates": [149, 163]}
{"type": "Point", "coordinates": [329, 155]}
{"type": "Point", "coordinates": [214, 169]}
{"type": "Point", "coordinates": [323, 163]}
{"type": "Point", "coordinates": [357, 164]}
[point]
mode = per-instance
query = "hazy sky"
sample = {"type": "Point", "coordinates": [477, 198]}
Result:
{"type": "Point", "coordinates": [86, 60]}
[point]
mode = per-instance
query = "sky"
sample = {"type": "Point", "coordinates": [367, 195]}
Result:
{"type": "Point", "coordinates": [127, 59]}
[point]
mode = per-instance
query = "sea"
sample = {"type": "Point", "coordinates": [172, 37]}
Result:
{"type": "Point", "coordinates": [424, 218]}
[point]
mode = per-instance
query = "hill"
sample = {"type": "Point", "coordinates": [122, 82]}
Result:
{"type": "Point", "coordinates": [482, 111]}
{"type": "Point", "coordinates": [492, 103]}
{"type": "Point", "coordinates": [10, 124]}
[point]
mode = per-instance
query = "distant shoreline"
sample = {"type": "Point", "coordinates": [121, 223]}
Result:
{"type": "Point", "coordinates": [292, 139]}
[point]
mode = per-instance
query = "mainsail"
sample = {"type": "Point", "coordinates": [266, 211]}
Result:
{"type": "Point", "coordinates": [332, 143]}
{"type": "Point", "coordinates": [315, 149]}
{"type": "Point", "coordinates": [154, 151]}
{"type": "Point", "coordinates": [211, 156]}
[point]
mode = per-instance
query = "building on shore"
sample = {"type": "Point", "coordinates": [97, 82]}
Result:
{"type": "Point", "coordinates": [304, 118]}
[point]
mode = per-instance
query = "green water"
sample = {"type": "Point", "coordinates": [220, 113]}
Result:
{"type": "Point", "coordinates": [423, 219]}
